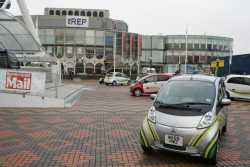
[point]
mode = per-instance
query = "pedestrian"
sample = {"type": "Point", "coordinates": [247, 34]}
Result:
{"type": "Point", "coordinates": [71, 73]}
{"type": "Point", "coordinates": [62, 70]}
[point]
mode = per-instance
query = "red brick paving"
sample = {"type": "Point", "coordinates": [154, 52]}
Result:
{"type": "Point", "coordinates": [74, 158]}
{"type": "Point", "coordinates": [7, 134]}
{"type": "Point", "coordinates": [23, 158]}
{"type": "Point", "coordinates": [42, 134]}
{"type": "Point", "coordinates": [102, 130]}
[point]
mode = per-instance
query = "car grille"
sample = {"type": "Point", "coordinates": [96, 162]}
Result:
{"type": "Point", "coordinates": [174, 147]}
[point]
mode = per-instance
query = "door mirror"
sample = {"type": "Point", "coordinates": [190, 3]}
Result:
{"type": "Point", "coordinates": [226, 101]}
{"type": "Point", "coordinates": [153, 96]}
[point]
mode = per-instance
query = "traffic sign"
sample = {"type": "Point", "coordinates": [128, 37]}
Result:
{"type": "Point", "coordinates": [217, 63]}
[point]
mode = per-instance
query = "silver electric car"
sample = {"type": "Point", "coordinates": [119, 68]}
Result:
{"type": "Point", "coordinates": [188, 116]}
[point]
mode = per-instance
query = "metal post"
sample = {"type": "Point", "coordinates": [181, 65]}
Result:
{"type": "Point", "coordinates": [122, 51]}
{"type": "Point", "coordinates": [150, 61]}
{"type": "Point", "coordinates": [186, 56]}
{"type": "Point", "coordinates": [114, 51]}
{"type": "Point", "coordinates": [230, 59]}
{"type": "Point", "coordinates": [138, 55]}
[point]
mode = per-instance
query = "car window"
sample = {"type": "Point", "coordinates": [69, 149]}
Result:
{"type": "Point", "coordinates": [236, 80]}
{"type": "Point", "coordinates": [247, 81]}
{"type": "Point", "coordinates": [118, 75]}
{"type": "Point", "coordinates": [162, 78]}
{"type": "Point", "coordinates": [150, 79]}
{"type": "Point", "coordinates": [124, 75]}
{"type": "Point", "coordinates": [187, 91]}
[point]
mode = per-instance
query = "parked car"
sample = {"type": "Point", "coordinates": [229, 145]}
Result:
{"type": "Point", "coordinates": [188, 116]}
{"type": "Point", "coordinates": [149, 84]}
{"type": "Point", "coordinates": [116, 78]}
{"type": "Point", "coordinates": [238, 86]}
{"type": "Point", "coordinates": [101, 80]}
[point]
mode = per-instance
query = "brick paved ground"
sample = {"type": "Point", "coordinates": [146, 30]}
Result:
{"type": "Point", "coordinates": [101, 130]}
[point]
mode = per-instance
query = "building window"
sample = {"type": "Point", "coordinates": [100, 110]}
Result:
{"type": "Point", "coordinates": [88, 13]}
{"type": "Point", "coordinates": [90, 53]}
{"type": "Point", "coordinates": [64, 13]}
{"type": "Point", "coordinates": [101, 14]}
{"type": "Point", "coordinates": [76, 13]}
{"type": "Point", "coordinates": [70, 13]}
{"type": "Point", "coordinates": [69, 52]}
{"type": "Point", "coordinates": [99, 53]}
{"type": "Point", "coordinates": [59, 51]}
{"type": "Point", "coordinates": [58, 13]}
{"type": "Point", "coordinates": [51, 12]}
{"type": "Point", "coordinates": [82, 13]}
{"type": "Point", "coordinates": [95, 14]}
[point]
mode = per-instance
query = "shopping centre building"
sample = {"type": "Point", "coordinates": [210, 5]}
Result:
{"type": "Point", "coordinates": [86, 41]}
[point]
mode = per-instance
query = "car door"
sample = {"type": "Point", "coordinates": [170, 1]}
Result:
{"type": "Point", "coordinates": [238, 87]}
{"type": "Point", "coordinates": [161, 80]}
{"type": "Point", "coordinates": [150, 84]}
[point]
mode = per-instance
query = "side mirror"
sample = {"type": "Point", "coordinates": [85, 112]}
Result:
{"type": "Point", "coordinates": [226, 101]}
{"type": "Point", "coordinates": [153, 96]}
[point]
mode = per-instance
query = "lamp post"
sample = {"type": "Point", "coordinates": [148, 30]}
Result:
{"type": "Point", "coordinates": [186, 55]}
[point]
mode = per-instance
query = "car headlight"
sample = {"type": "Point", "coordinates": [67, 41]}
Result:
{"type": "Point", "coordinates": [207, 120]}
{"type": "Point", "coordinates": [151, 114]}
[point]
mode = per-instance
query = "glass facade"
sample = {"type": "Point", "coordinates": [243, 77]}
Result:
{"type": "Point", "coordinates": [96, 46]}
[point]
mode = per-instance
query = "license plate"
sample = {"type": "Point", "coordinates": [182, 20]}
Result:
{"type": "Point", "coordinates": [174, 140]}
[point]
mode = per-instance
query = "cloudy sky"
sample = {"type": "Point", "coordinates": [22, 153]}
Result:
{"type": "Point", "coordinates": [230, 18]}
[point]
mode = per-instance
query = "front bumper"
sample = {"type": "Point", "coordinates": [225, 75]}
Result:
{"type": "Point", "coordinates": [197, 142]}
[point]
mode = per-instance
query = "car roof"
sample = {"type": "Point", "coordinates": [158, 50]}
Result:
{"type": "Point", "coordinates": [235, 75]}
{"type": "Point", "coordinates": [197, 77]}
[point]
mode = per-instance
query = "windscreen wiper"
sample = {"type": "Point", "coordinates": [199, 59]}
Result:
{"type": "Point", "coordinates": [193, 103]}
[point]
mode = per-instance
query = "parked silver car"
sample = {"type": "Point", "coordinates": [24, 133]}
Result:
{"type": "Point", "coordinates": [188, 116]}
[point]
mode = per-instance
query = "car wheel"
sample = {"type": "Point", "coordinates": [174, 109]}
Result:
{"type": "Point", "coordinates": [146, 150]}
{"type": "Point", "coordinates": [137, 92]}
{"type": "Point", "coordinates": [214, 158]}
{"type": "Point", "coordinates": [228, 95]}
{"type": "Point", "coordinates": [224, 130]}
{"type": "Point", "coordinates": [114, 83]}
{"type": "Point", "coordinates": [129, 82]}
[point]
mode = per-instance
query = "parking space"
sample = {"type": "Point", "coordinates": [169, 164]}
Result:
{"type": "Point", "coordinates": [102, 130]}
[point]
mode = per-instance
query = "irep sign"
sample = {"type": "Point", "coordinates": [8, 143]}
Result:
{"type": "Point", "coordinates": [77, 21]}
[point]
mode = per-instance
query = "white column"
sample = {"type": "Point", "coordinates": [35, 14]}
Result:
{"type": "Point", "coordinates": [28, 20]}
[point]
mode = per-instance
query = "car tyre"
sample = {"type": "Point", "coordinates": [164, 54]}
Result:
{"type": "Point", "coordinates": [228, 96]}
{"type": "Point", "coordinates": [114, 83]}
{"type": "Point", "coordinates": [137, 92]}
{"type": "Point", "coordinates": [146, 150]}
{"type": "Point", "coordinates": [213, 160]}
{"type": "Point", "coordinates": [224, 130]}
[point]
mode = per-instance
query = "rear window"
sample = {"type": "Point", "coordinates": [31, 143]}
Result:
{"type": "Point", "coordinates": [163, 78]}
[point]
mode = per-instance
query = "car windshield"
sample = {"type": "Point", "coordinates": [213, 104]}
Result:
{"type": "Point", "coordinates": [188, 92]}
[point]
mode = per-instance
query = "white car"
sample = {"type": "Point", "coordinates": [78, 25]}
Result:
{"type": "Point", "coordinates": [238, 86]}
{"type": "Point", "coordinates": [116, 78]}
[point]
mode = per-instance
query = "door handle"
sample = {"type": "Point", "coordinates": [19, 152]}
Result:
{"type": "Point", "coordinates": [233, 89]}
